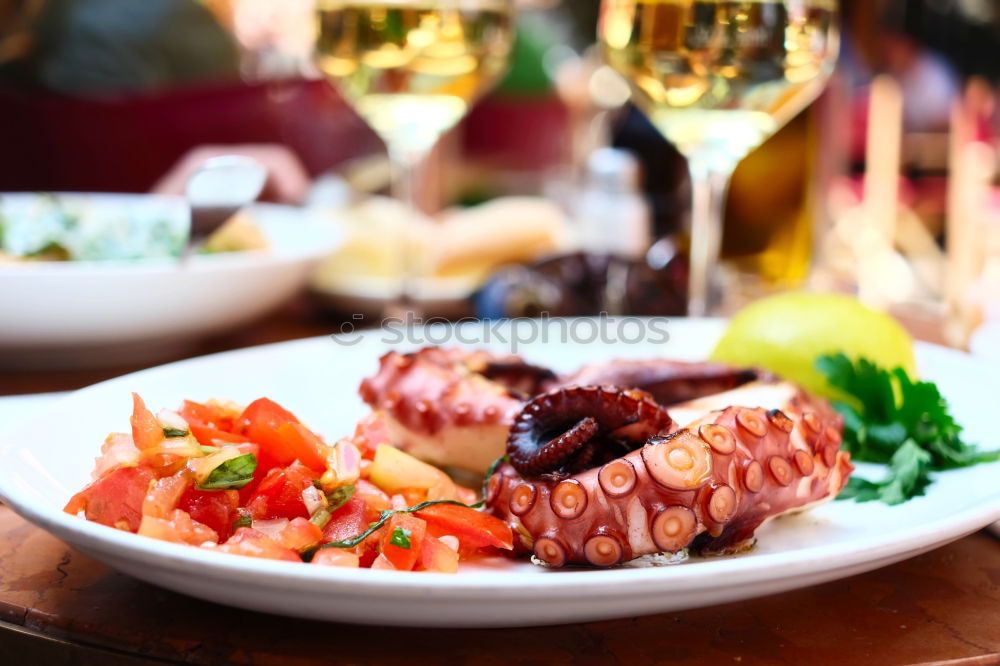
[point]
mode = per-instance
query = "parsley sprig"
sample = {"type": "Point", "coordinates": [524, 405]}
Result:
{"type": "Point", "coordinates": [894, 420]}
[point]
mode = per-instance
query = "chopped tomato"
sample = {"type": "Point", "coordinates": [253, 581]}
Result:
{"type": "Point", "coordinates": [376, 499]}
{"type": "Point", "coordinates": [252, 543]}
{"type": "Point", "coordinates": [262, 416]}
{"type": "Point", "coordinates": [412, 496]}
{"type": "Point", "coordinates": [165, 455]}
{"type": "Point", "coordinates": [210, 422]}
{"type": "Point", "coordinates": [147, 481]}
{"type": "Point", "coordinates": [209, 415]}
{"type": "Point", "coordinates": [336, 557]}
{"type": "Point", "coordinates": [403, 539]}
{"type": "Point", "coordinates": [348, 521]}
{"type": "Point", "coordinates": [207, 436]}
{"type": "Point", "coordinates": [294, 441]}
{"type": "Point", "coordinates": [178, 527]}
{"type": "Point", "coordinates": [382, 562]}
{"type": "Point", "coordinates": [299, 534]}
{"type": "Point", "coordinates": [146, 430]}
{"type": "Point", "coordinates": [368, 550]}
{"type": "Point", "coordinates": [115, 499]}
{"type": "Point", "coordinates": [279, 494]}
{"type": "Point", "coordinates": [118, 450]}
{"type": "Point", "coordinates": [370, 432]}
{"type": "Point", "coordinates": [463, 495]}
{"type": "Point", "coordinates": [435, 555]}
{"type": "Point", "coordinates": [282, 437]}
{"type": "Point", "coordinates": [164, 494]}
{"type": "Point", "coordinates": [215, 508]}
{"type": "Point", "coordinates": [474, 529]}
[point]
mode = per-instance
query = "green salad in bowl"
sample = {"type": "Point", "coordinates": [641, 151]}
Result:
{"type": "Point", "coordinates": [110, 227]}
{"type": "Point", "coordinates": [61, 227]}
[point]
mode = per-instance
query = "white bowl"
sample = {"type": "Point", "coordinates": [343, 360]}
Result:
{"type": "Point", "coordinates": [105, 312]}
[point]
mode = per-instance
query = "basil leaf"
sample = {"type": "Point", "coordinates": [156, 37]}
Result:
{"type": "Point", "coordinates": [317, 485]}
{"type": "Point", "coordinates": [245, 520]}
{"type": "Point", "coordinates": [231, 474]}
{"type": "Point", "coordinates": [339, 497]}
{"type": "Point", "coordinates": [174, 432]}
{"type": "Point", "coordinates": [401, 538]}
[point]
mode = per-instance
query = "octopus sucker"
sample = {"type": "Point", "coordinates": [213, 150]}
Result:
{"type": "Point", "coordinates": [523, 499]}
{"type": "Point", "coordinates": [604, 549]}
{"type": "Point", "coordinates": [681, 460]}
{"type": "Point", "coordinates": [550, 550]}
{"type": "Point", "coordinates": [568, 499]}
{"type": "Point", "coordinates": [705, 487]}
{"type": "Point", "coordinates": [617, 478]}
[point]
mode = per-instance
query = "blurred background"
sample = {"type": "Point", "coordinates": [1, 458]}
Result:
{"type": "Point", "coordinates": [554, 193]}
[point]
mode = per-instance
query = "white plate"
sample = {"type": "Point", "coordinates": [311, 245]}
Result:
{"type": "Point", "coordinates": [53, 312]}
{"type": "Point", "coordinates": [43, 461]}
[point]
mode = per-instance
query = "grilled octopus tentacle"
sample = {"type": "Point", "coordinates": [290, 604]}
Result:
{"type": "Point", "coordinates": [707, 486]}
{"type": "Point", "coordinates": [667, 381]}
{"type": "Point", "coordinates": [565, 430]}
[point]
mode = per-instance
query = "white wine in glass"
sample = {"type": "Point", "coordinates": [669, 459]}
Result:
{"type": "Point", "coordinates": [717, 78]}
{"type": "Point", "coordinates": [411, 69]}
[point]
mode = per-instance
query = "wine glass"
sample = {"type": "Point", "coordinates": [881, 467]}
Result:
{"type": "Point", "coordinates": [411, 69]}
{"type": "Point", "coordinates": [717, 78]}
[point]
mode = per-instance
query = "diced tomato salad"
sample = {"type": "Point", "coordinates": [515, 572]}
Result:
{"type": "Point", "coordinates": [256, 481]}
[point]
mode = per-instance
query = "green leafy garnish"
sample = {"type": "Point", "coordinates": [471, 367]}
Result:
{"type": "Point", "coordinates": [209, 450]}
{"type": "Point", "coordinates": [893, 420]}
{"type": "Point", "coordinates": [400, 537]}
{"type": "Point", "coordinates": [245, 520]}
{"type": "Point", "coordinates": [339, 496]}
{"type": "Point", "coordinates": [51, 251]}
{"type": "Point", "coordinates": [231, 474]}
{"type": "Point", "coordinates": [908, 476]}
{"type": "Point", "coordinates": [174, 432]}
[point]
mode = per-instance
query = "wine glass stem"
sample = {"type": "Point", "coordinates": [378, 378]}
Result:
{"type": "Point", "coordinates": [405, 165]}
{"type": "Point", "coordinates": [709, 185]}
{"type": "Point", "coordinates": [404, 178]}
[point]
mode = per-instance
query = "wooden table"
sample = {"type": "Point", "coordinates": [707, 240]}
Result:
{"type": "Point", "coordinates": [59, 606]}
